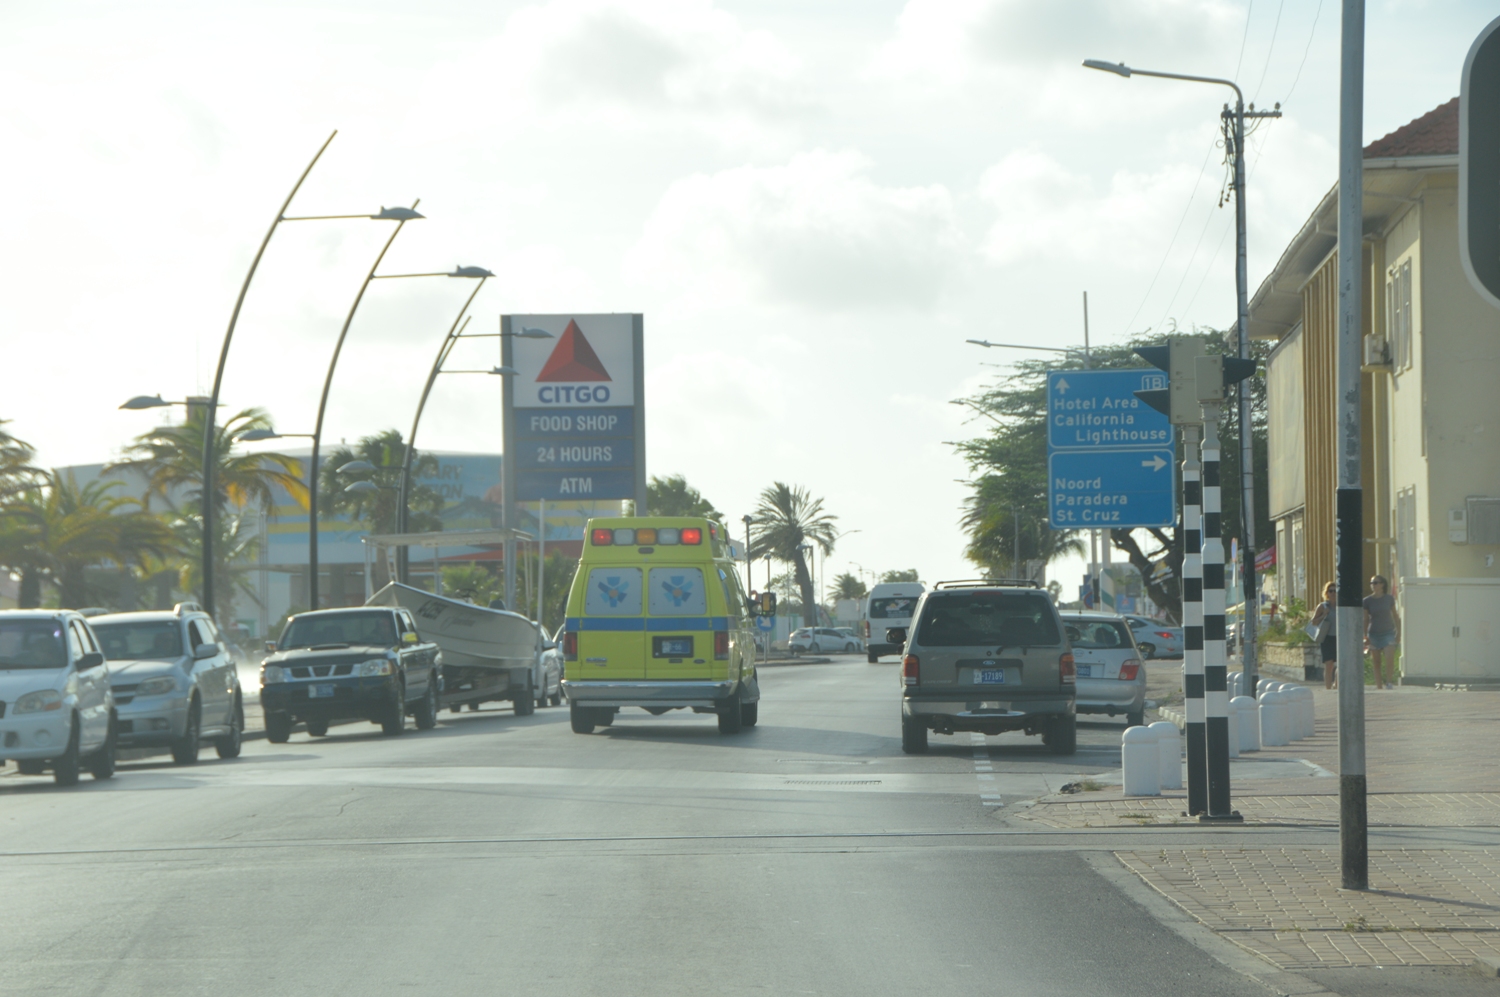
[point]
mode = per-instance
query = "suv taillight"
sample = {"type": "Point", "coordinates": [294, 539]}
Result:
{"type": "Point", "coordinates": [721, 645]}
{"type": "Point", "coordinates": [911, 670]}
{"type": "Point", "coordinates": [1066, 673]}
{"type": "Point", "coordinates": [570, 646]}
{"type": "Point", "coordinates": [1129, 670]}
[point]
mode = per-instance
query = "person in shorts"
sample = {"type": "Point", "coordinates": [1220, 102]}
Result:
{"type": "Point", "coordinates": [1382, 629]}
{"type": "Point", "coordinates": [1327, 610]}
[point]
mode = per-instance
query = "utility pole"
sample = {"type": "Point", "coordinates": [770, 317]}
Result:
{"type": "Point", "coordinates": [1354, 850]}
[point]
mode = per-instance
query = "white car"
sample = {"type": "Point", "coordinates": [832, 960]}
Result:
{"type": "Point", "coordinates": [1109, 674]}
{"type": "Point", "coordinates": [175, 683]}
{"type": "Point", "coordinates": [819, 640]}
{"type": "Point", "coordinates": [56, 707]}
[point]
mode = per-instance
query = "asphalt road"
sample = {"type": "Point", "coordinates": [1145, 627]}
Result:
{"type": "Point", "coordinates": [500, 854]}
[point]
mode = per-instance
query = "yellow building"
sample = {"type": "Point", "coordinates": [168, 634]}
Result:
{"type": "Point", "coordinates": [1431, 405]}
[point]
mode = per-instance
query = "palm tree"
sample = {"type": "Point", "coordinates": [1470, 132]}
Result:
{"type": "Point", "coordinates": [788, 519]}
{"type": "Point", "coordinates": [377, 510]}
{"type": "Point", "coordinates": [846, 586]}
{"type": "Point", "coordinates": [16, 470]}
{"type": "Point", "coordinates": [63, 528]}
{"type": "Point", "coordinates": [673, 496]}
{"type": "Point", "coordinates": [237, 546]}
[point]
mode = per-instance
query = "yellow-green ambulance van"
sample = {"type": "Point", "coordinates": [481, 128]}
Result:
{"type": "Point", "coordinates": [658, 618]}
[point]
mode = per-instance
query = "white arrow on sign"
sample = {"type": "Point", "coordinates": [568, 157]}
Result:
{"type": "Point", "coordinates": [1155, 463]}
{"type": "Point", "coordinates": [1062, 386]}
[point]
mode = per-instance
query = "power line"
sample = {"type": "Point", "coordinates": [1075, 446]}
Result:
{"type": "Point", "coordinates": [1311, 32]}
{"type": "Point", "coordinates": [1244, 37]}
{"type": "Point", "coordinates": [1269, 50]}
{"type": "Point", "coordinates": [1166, 255]}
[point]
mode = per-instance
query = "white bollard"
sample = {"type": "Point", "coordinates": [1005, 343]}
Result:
{"type": "Point", "coordinates": [1169, 752]}
{"type": "Point", "coordinates": [1302, 709]}
{"type": "Point", "coordinates": [1246, 710]}
{"type": "Point", "coordinates": [1234, 731]}
{"type": "Point", "coordinates": [1262, 687]}
{"type": "Point", "coordinates": [1140, 762]}
{"type": "Point", "coordinates": [1272, 720]}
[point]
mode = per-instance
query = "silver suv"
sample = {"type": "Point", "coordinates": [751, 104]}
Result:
{"type": "Point", "coordinates": [990, 657]}
{"type": "Point", "coordinates": [175, 682]}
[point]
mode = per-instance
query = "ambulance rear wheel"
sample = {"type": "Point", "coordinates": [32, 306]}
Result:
{"type": "Point", "coordinates": [582, 719]}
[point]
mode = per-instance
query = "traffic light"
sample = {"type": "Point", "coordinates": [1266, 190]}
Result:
{"type": "Point", "coordinates": [1479, 164]}
{"type": "Point", "coordinates": [1179, 400]}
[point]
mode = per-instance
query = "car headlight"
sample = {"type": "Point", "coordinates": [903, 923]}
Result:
{"type": "Point", "coordinates": [157, 686]}
{"type": "Point", "coordinates": [272, 674]}
{"type": "Point", "coordinates": [39, 702]}
{"type": "Point", "coordinates": [376, 666]}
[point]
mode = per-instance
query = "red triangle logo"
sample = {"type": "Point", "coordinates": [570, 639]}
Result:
{"type": "Point", "coordinates": [573, 359]}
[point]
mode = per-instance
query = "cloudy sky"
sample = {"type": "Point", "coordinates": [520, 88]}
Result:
{"type": "Point", "coordinates": [813, 203]}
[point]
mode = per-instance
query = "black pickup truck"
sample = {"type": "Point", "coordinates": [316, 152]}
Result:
{"type": "Point", "coordinates": [343, 664]}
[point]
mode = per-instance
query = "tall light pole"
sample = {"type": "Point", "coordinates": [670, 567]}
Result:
{"type": "Point", "coordinates": [1233, 124]}
{"type": "Point", "coordinates": [209, 461]}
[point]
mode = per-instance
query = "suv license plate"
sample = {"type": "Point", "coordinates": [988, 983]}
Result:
{"type": "Point", "coordinates": [989, 676]}
{"type": "Point", "coordinates": [320, 692]}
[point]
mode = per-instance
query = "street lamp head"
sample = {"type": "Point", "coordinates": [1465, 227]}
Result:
{"type": "Point", "coordinates": [357, 467]}
{"type": "Point", "coordinates": [470, 272]}
{"type": "Point", "coordinates": [256, 435]}
{"type": "Point", "coordinates": [506, 371]}
{"type": "Point", "coordinates": [397, 215]}
{"type": "Point", "coordinates": [146, 401]}
{"type": "Point", "coordinates": [1118, 68]}
{"type": "Point", "coordinates": [361, 488]}
{"type": "Point", "coordinates": [526, 333]}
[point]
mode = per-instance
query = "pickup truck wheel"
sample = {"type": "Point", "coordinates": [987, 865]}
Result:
{"type": "Point", "coordinates": [582, 719]}
{"type": "Point", "coordinates": [317, 728]}
{"type": "Point", "coordinates": [913, 736]}
{"type": "Point", "coordinates": [1061, 735]}
{"type": "Point", "coordinates": [395, 714]}
{"type": "Point", "coordinates": [749, 713]}
{"type": "Point", "coordinates": [525, 703]}
{"type": "Point", "coordinates": [229, 745]}
{"type": "Point", "coordinates": [65, 769]}
{"type": "Point", "coordinates": [102, 762]}
{"type": "Point", "coordinates": [731, 715]}
{"type": "Point", "coordinates": [426, 715]}
{"type": "Point", "coordinates": [278, 728]}
{"type": "Point", "coordinates": [185, 748]}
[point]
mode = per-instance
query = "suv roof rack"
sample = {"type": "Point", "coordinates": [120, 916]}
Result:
{"type": "Point", "coordinates": [973, 583]}
{"type": "Point", "coordinates": [187, 607]}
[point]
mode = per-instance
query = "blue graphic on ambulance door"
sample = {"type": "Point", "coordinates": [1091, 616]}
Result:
{"type": "Point", "coordinates": [613, 592]}
{"type": "Point", "coordinates": [677, 592]}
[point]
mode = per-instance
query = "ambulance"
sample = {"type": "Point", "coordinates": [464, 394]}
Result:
{"type": "Point", "coordinates": [658, 618]}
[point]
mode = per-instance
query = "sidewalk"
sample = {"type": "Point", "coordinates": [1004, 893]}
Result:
{"type": "Point", "coordinates": [1431, 763]}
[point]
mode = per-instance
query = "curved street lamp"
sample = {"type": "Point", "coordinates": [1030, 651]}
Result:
{"type": "Point", "coordinates": [312, 523]}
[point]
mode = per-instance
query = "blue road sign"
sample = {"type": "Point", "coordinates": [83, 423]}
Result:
{"type": "Point", "coordinates": [1109, 489]}
{"type": "Point", "coordinates": [1098, 410]}
{"type": "Point", "coordinates": [766, 623]}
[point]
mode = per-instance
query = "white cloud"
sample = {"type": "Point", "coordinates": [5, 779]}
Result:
{"type": "Point", "coordinates": [817, 231]}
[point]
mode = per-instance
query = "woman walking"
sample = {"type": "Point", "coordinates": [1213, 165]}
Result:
{"type": "Point", "coordinates": [1382, 629]}
{"type": "Point", "coordinates": [1324, 618]}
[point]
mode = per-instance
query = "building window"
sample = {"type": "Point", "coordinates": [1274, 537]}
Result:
{"type": "Point", "coordinates": [1398, 314]}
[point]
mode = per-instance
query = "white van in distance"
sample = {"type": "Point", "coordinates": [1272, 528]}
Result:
{"type": "Point", "coordinates": [889, 604]}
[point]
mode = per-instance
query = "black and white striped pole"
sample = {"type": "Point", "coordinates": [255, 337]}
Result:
{"type": "Point", "coordinates": [1192, 620]}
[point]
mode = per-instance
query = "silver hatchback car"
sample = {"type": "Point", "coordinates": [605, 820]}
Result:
{"type": "Point", "coordinates": [1111, 677]}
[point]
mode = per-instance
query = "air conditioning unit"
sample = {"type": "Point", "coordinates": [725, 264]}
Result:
{"type": "Point", "coordinates": [1377, 351]}
{"type": "Point", "coordinates": [1483, 514]}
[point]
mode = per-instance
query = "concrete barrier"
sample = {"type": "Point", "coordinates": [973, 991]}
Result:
{"type": "Point", "coordinates": [1304, 711]}
{"type": "Point", "coordinates": [1273, 732]}
{"type": "Point", "coordinates": [1246, 712]}
{"type": "Point", "coordinates": [1234, 731]}
{"type": "Point", "coordinates": [1140, 762]}
{"type": "Point", "coordinates": [1169, 754]}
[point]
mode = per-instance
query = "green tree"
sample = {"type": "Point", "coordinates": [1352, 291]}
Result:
{"type": "Point", "coordinates": [846, 586]}
{"type": "Point", "coordinates": [60, 528]}
{"type": "Point", "coordinates": [673, 496]}
{"type": "Point", "coordinates": [470, 581]}
{"type": "Point", "coordinates": [787, 519]}
{"type": "Point", "coordinates": [16, 470]}
{"type": "Point", "coordinates": [894, 576]}
{"type": "Point", "coordinates": [376, 510]}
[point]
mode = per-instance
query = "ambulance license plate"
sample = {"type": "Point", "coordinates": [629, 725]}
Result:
{"type": "Point", "coordinates": [989, 676]}
{"type": "Point", "coordinates": [320, 692]}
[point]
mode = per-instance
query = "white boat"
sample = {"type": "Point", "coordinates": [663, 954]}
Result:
{"type": "Point", "coordinates": [488, 654]}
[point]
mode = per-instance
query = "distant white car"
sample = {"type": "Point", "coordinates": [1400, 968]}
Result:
{"type": "Point", "coordinates": [818, 640]}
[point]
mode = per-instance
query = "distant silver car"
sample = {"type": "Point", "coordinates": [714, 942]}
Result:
{"type": "Point", "coordinates": [1111, 676]}
{"type": "Point", "coordinates": [1155, 638]}
{"type": "Point", "coordinates": [175, 683]}
{"type": "Point", "coordinates": [820, 640]}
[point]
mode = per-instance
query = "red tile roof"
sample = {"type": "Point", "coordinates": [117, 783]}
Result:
{"type": "Point", "coordinates": [1433, 134]}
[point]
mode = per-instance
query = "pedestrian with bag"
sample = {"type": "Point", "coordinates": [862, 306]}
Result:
{"type": "Point", "coordinates": [1323, 631]}
{"type": "Point", "coordinates": [1382, 629]}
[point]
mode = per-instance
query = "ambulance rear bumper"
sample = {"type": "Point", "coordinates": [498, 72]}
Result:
{"type": "Point", "coordinates": [662, 692]}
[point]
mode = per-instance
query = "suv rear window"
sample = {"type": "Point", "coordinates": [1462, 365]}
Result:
{"type": "Point", "coordinates": [993, 619]}
{"type": "Point", "coordinates": [898, 608]}
{"type": "Point", "coordinates": [1097, 635]}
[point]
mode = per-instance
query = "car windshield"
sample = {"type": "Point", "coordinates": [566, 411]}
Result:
{"type": "Point", "coordinates": [349, 629]}
{"type": "Point", "coordinates": [145, 639]}
{"type": "Point", "coordinates": [1097, 635]}
{"type": "Point", "coordinates": [32, 644]}
{"type": "Point", "coordinates": [897, 608]}
{"type": "Point", "coordinates": [992, 619]}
